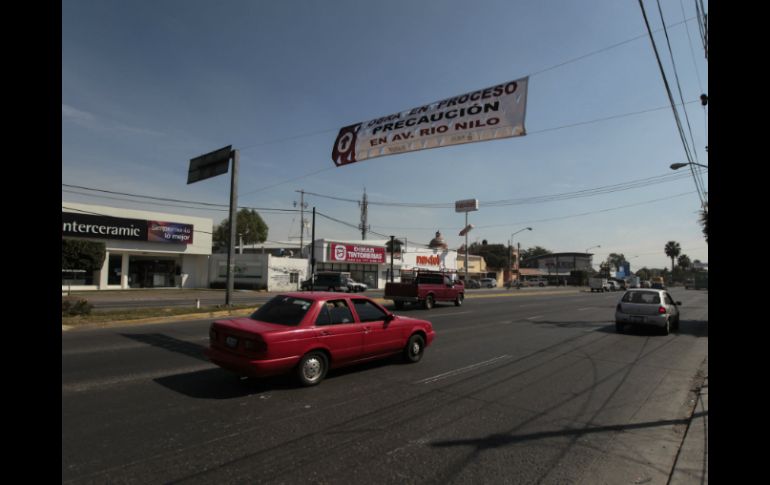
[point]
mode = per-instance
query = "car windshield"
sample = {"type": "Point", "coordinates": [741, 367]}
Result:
{"type": "Point", "coordinates": [283, 310]}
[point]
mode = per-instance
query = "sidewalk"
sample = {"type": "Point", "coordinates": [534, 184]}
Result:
{"type": "Point", "coordinates": [691, 466]}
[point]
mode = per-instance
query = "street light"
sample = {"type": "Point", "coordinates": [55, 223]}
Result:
{"type": "Point", "coordinates": [677, 166]}
{"type": "Point", "coordinates": [518, 254]}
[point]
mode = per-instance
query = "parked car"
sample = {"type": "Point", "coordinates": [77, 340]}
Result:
{"type": "Point", "coordinates": [310, 333]}
{"type": "Point", "coordinates": [613, 285]}
{"type": "Point", "coordinates": [488, 282]}
{"type": "Point", "coordinates": [355, 286]}
{"type": "Point", "coordinates": [650, 307]}
{"type": "Point", "coordinates": [645, 284]}
{"type": "Point", "coordinates": [473, 284]}
{"type": "Point", "coordinates": [333, 281]}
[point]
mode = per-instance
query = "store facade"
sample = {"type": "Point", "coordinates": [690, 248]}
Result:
{"type": "Point", "coordinates": [369, 262]}
{"type": "Point", "coordinates": [143, 249]}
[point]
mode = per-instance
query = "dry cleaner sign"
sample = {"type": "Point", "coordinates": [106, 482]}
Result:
{"type": "Point", "coordinates": [486, 114]}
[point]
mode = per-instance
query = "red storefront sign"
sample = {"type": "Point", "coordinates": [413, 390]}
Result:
{"type": "Point", "coordinates": [350, 253]}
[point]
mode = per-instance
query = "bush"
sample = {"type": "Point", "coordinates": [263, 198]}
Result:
{"type": "Point", "coordinates": [75, 306]}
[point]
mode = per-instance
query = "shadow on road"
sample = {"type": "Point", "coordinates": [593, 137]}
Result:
{"type": "Point", "coordinates": [221, 384]}
{"type": "Point", "coordinates": [169, 343]}
{"type": "Point", "coordinates": [500, 439]}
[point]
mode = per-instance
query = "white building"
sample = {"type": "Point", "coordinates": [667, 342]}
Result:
{"type": "Point", "coordinates": [369, 262]}
{"type": "Point", "coordinates": [260, 271]}
{"type": "Point", "coordinates": [144, 249]}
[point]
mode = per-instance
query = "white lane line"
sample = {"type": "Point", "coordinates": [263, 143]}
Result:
{"type": "Point", "coordinates": [536, 316]}
{"type": "Point", "coordinates": [584, 309]}
{"type": "Point", "coordinates": [462, 370]}
{"type": "Point", "coordinates": [444, 314]}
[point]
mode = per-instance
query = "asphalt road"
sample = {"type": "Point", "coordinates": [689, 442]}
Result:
{"type": "Point", "coordinates": [522, 388]}
{"type": "Point", "coordinates": [132, 299]}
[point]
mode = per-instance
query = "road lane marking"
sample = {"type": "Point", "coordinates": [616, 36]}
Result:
{"type": "Point", "coordinates": [444, 314]}
{"type": "Point", "coordinates": [462, 370]}
{"type": "Point", "coordinates": [536, 316]}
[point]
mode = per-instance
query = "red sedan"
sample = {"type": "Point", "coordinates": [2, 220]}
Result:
{"type": "Point", "coordinates": [310, 333]}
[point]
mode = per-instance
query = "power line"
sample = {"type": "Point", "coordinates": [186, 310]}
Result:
{"type": "Point", "coordinates": [671, 100]}
{"type": "Point", "coordinates": [208, 205]}
{"type": "Point", "coordinates": [681, 97]}
{"type": "Point", "coordinates": [607, 189]}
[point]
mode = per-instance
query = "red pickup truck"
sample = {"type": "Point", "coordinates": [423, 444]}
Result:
{"type": "Point", "coordinates": [426, 288]}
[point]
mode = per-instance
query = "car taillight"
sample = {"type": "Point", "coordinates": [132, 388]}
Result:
{"type": "Point", "coordinates": [661, 309]}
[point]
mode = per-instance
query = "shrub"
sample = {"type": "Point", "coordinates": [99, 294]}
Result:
{"type": "Point", "coordinates": [75, 306]}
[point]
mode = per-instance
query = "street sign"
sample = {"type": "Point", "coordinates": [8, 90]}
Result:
{"type": "Point", "coordinates": [466, 230]}
{"type": "Point", "coordinates": [467, 205]}
{"type": "Point", "coordinates": [209, 165]}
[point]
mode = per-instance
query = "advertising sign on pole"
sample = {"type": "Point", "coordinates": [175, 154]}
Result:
{"type": "Point", "coordinates": [485, 114]}
{"type": "Point", "coordinates": [467, 205]}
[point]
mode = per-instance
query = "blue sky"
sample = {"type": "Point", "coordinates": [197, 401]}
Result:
{"type": "Point", "coordinates": [148, 85]}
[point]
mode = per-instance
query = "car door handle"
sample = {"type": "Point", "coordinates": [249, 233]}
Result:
{"type": "Point", "coordinates": [325, 333]}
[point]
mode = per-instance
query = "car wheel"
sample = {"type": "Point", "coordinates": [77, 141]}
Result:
{"type": "Point", "coordinates": [667, 327]}
{"type": "Point", "coordinates": [618, 327]}
{"type": "Point", "coordinates": [399, 305]}
{"type": "Point", "coordinates": [429, 302]}
{"type": "Point", "coordinates": [459, 300]}
{"type": "Point", "coordinates": [312, 368]}
{"type": "Point", "coordinates": [414, 349]}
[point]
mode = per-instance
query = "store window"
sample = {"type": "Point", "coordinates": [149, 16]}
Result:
{"type": "Point", "coordinates": [113, 268]}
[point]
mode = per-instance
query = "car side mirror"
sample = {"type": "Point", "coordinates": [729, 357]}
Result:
{"type": "Point", "coordinates": [679, 303]}
{"type": "Point", "coordinates": [389, 317]}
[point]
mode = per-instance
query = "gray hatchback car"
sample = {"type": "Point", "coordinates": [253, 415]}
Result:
{"type": "Point", "coordinates": [649, 307]}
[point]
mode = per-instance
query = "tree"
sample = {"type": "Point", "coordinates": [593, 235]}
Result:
{"type": "Point", "coordinates": [684, 262]}
{"type": "Point", "coordinates": [495, 255]}
{"type": "Point", "coordinates": [672, 250]}
{"type": "Point", "coordinates": [616, 260]}
{"type": "Point", "coordinates": [85, 255]}
{"type": "Point", "coordinates": [249, 225]}
{"type": "Point", "coordinates": [534, 252]}
{"type": "Point", "coordinates": [704, 221]}
{"type": "Point", "coordinates": [643, 274]}
{"type": "Point", "coordinates": [397, 245]}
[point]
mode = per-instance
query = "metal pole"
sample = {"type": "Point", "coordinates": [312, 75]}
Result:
{"type": "Point", "coordinates": [466, 249]}
{"type": "Point", "coordinates": [392, 239]}
{"type": "Point", "coordinates": [312, 255]}
{"type": "Point", "coordinates": [301, 221]}
{"type": "Point", "coordinates": [233, 224]}
{"type": "Point", "coordinates": [518, 263]}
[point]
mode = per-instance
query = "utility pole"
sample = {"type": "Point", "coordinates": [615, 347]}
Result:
{"type": "Point", "coordinates": [302, 207]}
{"type": "Point", "coordinates": [233, 229]}
{"type": "Point", "coordinates": [392, 250]}
{"type": "Point", "coordinates": [364, 204]}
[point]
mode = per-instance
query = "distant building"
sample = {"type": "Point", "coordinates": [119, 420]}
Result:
{"type": "Point", "coordinates": [556, 265]}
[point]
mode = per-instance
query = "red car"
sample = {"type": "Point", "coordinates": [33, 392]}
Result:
{"type": "Point", "coordinates": [310, 333]}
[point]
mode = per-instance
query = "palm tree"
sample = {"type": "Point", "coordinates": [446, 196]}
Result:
{"type": "Point", "coordinates": [704, 220]}
{"type": "Point", "coordinates": [683, 261]}
{"type": "Point", "coordinates": [672, 250]}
